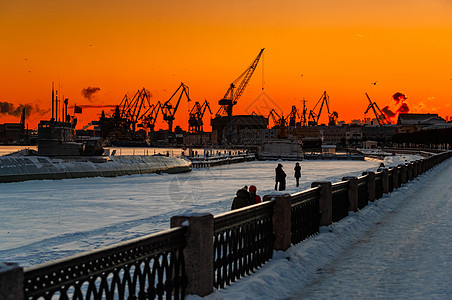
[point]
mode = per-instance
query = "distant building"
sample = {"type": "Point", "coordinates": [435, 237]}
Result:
{"type": "Point", "coordinates": [238, 130]}
{"type": "Point", "coordinates": [12, 133]}
{"type": "Point", "coordinates": [200, 139]}
{"type": "Point", "coordinates": [407, 123]}
{"type": "Point", "coordinates": [381, 134]}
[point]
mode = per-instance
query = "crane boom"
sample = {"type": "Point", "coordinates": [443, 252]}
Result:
{"type": "Point", "coordinates": [235, 92]}
{"type": "Point", "coordinates": [169, 110]}
{"type": "Point", "coordinates": [381, 118]}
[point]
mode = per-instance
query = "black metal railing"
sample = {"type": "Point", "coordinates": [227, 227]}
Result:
{"type": "Point", "coordinates": [243, 241]}
{"type": "Point", "coordinates": [378, 185]}
{"type": "Point", "coordinates": [305, 214]}
{"type": "Point", "coordinates": [148, 267]}
{"type": "Point", "coordinates": [340, 201]}
{"type": "Point", "coordinates": [363, 191]}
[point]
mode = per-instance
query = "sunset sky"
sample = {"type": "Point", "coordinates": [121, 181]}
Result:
{"type": "Point", "coordinates": [311, 46]}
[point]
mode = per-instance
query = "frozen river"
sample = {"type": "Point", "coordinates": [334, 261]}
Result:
{"type": "Point", "coordinates": [45, 220]}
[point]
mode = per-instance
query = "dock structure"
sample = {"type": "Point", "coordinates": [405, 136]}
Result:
{"type": "Point", "coordinates": [207, 162]}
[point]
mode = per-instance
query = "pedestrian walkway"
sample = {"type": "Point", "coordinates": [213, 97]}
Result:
{"type": "Point", "coordinates": [398, 247]}
{"type": "Point", "coordinates": [407, 255]}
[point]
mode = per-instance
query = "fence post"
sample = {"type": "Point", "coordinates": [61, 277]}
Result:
{"type": "Point", "coordinates": [403, 170]}
{"type": "Point", "coordinates": [352, 192]}
{"type": "Point", "coordinates": [198, 253]}
{"type": "Point", "coordinates": [282, 222]}
{"type": "Point", "coordinates": [385, 181]}
{"type": "Point", "coordinates": [410, 171]}
{"type": "Point", "coordinates": [395, 177]}
{"type": "Point", "coordinates": [11, 281]}
{"type": "Point", "coordinates": [326, 202]}
{"type": "Point", "coordinates": [415, 168]}
{"type": "Point", "coordinates": [370, 185]}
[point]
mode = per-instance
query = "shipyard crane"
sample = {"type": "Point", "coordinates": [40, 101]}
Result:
{"type": "Point", "coordinates": [196, 114]}
{"type": "Point", "coordinates": [381, 118]}
{"type": "Point", "coordinates": [134, 110]}
{"type": "Point", "coordinates": [293, 116]}
{"type": "Point", "coordinates": [150, 116]}
{"type": "Point", "coordinates": [235, 91]}
{"type": "Point", "coordinates": [169, 110]}
{"type": "Point", "coordinates": [313, 118]}
{"type": "Point", "coordinates": [280, 122]}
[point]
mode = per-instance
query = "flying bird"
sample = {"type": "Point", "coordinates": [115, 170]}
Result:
{"type": "Point", "coordinates": [374, 83]}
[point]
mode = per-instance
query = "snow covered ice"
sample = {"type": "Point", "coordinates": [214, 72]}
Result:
{"type": "Point", "coordinates": [46, 220]}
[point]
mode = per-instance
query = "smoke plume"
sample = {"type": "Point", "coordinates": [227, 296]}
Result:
{"type": "Point", "coordinates": [89, 92]}
{"type": "Point", "coordinates": [7, 108]}
{"type": "Point", "coordinates": [399, 96]}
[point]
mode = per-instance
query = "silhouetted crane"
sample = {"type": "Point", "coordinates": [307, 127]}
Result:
{"type": "Point", "coordinates": [293, 116]}
{"type": "Point", "coordinates": [195, 123]}
{"type": "Point", "coordinates": [381, 118]}
{"type": "Point", "coordinates": [233, 93]}
{"type": "Point", "coordinates": [280, 122]}
{"type": "Point", "coordinates": [169, 110]}
{"type": "Point", "coordinates": [314, 118]}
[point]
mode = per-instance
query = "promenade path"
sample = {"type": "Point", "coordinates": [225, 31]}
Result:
{"type": "Point", "coordinates": [399, 247]}
{"type": "Point", "coordinates": [407, 255]}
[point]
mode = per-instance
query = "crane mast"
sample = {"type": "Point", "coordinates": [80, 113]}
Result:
{"type": "Point", "coordinates": [168, 110]}
{"type": "Point", "coordinates": [235, 92]}
{"type": "Point", "coordinates": [381, 118]}
{"type": "Point", "coordinates": [195, 123]}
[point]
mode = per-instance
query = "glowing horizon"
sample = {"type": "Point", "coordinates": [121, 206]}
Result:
{"type": "Point", "coordinates": [110, 48]}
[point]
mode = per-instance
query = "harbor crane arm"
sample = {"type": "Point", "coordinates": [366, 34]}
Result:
{"type": "Point", "coordinates": [233, 94]}
{"type": "Point", "coordinates": [315, 117]}
{"type": "Point", "coordinates": [169, 110]}
{"type": "Point", "coordinates": [381, 118]}
{"type": "Point", "coordinates": [195, 123]}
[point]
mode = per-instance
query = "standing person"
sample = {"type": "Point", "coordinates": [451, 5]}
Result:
{"type": "Point", "coordinates": [297, 174]}
{"type": "Point", "coordinates": [280, 178]}
{"type": "Point", "coordinates": [242, 198]}
{"type": "Point", "coordinates": [253, 196]}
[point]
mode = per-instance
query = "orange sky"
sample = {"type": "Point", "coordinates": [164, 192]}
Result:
{"type": "Point", "coordinates": [340, 47]}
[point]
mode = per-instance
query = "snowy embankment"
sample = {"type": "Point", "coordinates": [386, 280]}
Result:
{"type": "Point", "coordinates": [288, 271]}
{"type": "Point", "coordinates": [13, 169]}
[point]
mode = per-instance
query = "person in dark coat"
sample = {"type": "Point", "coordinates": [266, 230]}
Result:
{"type": "Point", "coordinates": [280, 178]}
{"type": "Point", "coordinates": [242, 199]}
{"type": "Point", "coordinates": [253, 196]}
{"type": "Point", "coordinates": [297, 174]}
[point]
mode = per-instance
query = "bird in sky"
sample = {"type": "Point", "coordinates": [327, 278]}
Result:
{"type": "Point", "coordinates": [374, 83]}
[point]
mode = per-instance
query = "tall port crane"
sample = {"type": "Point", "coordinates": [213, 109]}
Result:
{"type": "Point", "coordinates": [235, 92]}
{"type": "Point", "coordinates": [293, 116]}
{"type": "Point", "coordinates": [131, 111]}
{"type": "Point", "coordinates": [148, 120]}
{"type": "Point", "coordinates": [195, 123]}
{"type": "Point", "coordinates": [280, 122]}
{"type": "Point", "coordinates": [313, 118]}
{"type": "Point", "coordinates": [168, 110]}
{"type": "Point", "coordinates": [381, 118]}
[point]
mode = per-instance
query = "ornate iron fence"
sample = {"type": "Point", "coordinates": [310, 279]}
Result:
{"type": "Point", "coordinates": [363, 194]}
{"type": "Point", "coordinates": [243, 241]}
{"type": "Point", "coordinates": [340, 201]}
{"type": "Point", "coordinates": [378, 185]}
{"type": "Point", "coordinates": [305, 214]}
{"type": "Point", "coordinates": [148, 267]}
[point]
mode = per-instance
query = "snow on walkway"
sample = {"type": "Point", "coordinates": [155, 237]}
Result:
{"type": "Point", "coordinates": [399, 247]}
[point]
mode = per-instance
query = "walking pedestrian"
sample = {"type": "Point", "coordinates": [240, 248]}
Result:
{"type": "Point", "coordinates": [253, 196]}
{"type": "Point", "coordinates": [280, 178]}
{"type": "Point", "coordinates": [297, 174]}
{"type": "Point", "coordinates": [242, 198]}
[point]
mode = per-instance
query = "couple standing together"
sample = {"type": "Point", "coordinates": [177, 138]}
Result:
{"type": "Point", "coordinates": [280, 177]}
